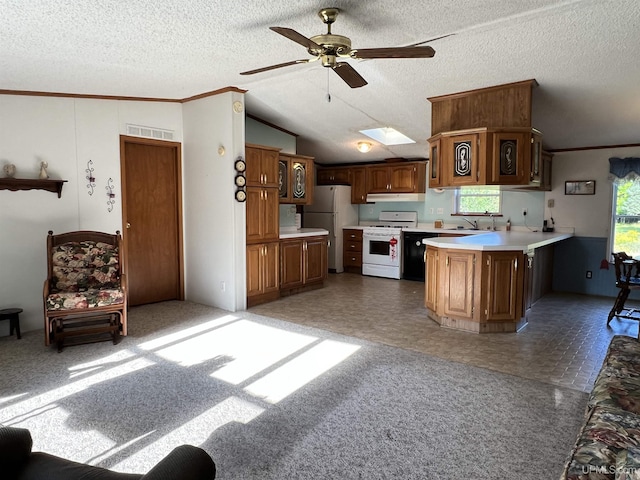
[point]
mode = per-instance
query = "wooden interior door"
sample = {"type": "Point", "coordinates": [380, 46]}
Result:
{"type": "Point", "coordinates": [152, 218]}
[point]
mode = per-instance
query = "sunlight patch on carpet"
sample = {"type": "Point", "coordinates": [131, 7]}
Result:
{"type": "Point", "coordinates": [194, 432]}
{"type": "Point", "coordinates": [298, 372]}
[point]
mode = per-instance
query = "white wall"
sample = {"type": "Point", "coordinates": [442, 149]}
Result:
{"type": "Point", "coordinates": [66, 133]}
{"type": "Point", "coordinates": [590, 215]}
{"type": "Point", "coordinates": [214, 220]}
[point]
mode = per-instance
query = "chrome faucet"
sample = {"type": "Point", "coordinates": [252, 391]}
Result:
{"type": "Point", "coordinates": [493, 222]}
{"type": "Point", "coordinates": [474, 223]}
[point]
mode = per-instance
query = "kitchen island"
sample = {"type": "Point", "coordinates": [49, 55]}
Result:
{"type": "Point", "coordinates": [486, 283]}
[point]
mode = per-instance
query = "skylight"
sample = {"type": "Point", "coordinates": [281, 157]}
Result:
{"type": "Point", "coordinates": [387, 136]}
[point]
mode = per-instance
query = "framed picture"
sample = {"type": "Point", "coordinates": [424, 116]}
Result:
{"type": "Point", "coordinates": [580, 187]}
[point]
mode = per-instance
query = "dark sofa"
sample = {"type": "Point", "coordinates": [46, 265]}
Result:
{"type": "Point", "coordinates": [18, 462]}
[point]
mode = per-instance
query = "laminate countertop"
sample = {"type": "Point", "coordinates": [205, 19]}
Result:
{"type": "Point", "coordinates": [499, 241]}
{"type": "Point", "coordinates": [302, 232]}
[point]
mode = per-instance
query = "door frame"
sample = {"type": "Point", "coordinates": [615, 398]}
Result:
{"type": "Point", "coordinates": [177, 151]}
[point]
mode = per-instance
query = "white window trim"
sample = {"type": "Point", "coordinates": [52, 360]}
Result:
{"type": "Point", "coordinates": [458, 194]}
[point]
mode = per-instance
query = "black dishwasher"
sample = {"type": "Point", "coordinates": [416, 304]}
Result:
{"type": "Point", "coordinates": [413, 255]}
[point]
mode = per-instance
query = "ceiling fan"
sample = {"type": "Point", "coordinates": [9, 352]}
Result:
{"type": "Point", "coordinates": [329, 47]}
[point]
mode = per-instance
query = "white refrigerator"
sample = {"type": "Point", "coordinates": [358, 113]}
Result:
{"type": "Point", "coordinates": [332, 210]}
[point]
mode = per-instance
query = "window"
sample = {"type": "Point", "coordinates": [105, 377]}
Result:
{"type": "Point", "coordinates": [486, 199]}
{"type": "Point", "coordinates": [625, 228]}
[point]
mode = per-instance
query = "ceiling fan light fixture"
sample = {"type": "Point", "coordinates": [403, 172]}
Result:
{"type": "Point", "coordinates": [364, 147]}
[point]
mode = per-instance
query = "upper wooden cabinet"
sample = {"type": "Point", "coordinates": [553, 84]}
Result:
{"type": "Point", "coordinates": [358, 181]}
{"type": "Point", "coordinates": [401, 177]}
{"type": "Point", "coordinates": [295, 179]}
{"type": "Point", "coordinates": [487, 156]}
{"type": "Point", "coordinates": [540, 165]}
{"type": "Point", "coordinates": [485, 137]}
{"type": "Point", "coordinates": [262, 166]}
{"type": "Point", "coordinates": [333, 176]}
{"type": "Point", "coordinates": [391, 177]}
{"type": "Point", "coordinates": [506, 106]}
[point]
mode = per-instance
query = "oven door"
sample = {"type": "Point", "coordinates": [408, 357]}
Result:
{"type": "Point", "coordinates": [381, 249]}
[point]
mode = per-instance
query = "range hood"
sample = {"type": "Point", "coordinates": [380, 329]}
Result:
{"type": "Point", "coordinates": [395, 197]}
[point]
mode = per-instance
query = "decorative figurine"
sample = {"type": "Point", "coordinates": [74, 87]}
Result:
{"type": "Point", "coordinates": [9, 170]}
{"type": "Point", "coordinates": [43, 170]}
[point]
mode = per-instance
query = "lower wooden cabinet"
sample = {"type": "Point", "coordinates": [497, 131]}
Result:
{"type": "Point", "coordinates": [431, 278]}
{"type": "Point", "coordinates": [263, 279]}
{"type": "Point", "coordinates": [475, 290]}
{"type": "Point", "coordinates": [352, 250]}
{"type": "Point", "coordinates": [303, 263]}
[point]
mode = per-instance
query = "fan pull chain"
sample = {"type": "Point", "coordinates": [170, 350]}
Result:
{"type": "Point", "coordinates": [328, 94]}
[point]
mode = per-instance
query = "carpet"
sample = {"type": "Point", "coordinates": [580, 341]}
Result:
{"type": "Point", "coordinates": [269, 399]}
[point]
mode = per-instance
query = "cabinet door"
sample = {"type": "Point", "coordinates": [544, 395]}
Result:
{"type": "Point", "coordinates": [262, 167]}
{"type": "Point", "coordinates": [254, 221]}
{"type": "Point", "coordinates": [535, 160]}
{"type": "Point", "coordinates": [460, 155]}
{"type": "Point", "coordinates": [503, 280]}
{"type": "Point", "coordinates": [255, 284]}
{"type": "Point", "coordinates": [435, 177]}
{"type": "Point", "coordinates": [458, 283]}
{"type": "Point", "coordinates": [545, 183]}
{"type": "Point", "coordinates": [301, 181]}
{"type": "Point", "coordinates": [402, 178]}
{"type": "Point", "coordinates": [431, 278]}
{"type": "Point", "coordinates": [358, 180]}
{"type": "Point", "coordinates": [378, 179]}
{"type": "Point", "coordinates": [284, 192]}
{"type": "Point", "coordinates": [263, 222]}
{"type": "Point", "coordinates": [315, 259]}
{"type": "Point", "coordinates": [291, 263]}
{"type": "Point", "coordinates": [271, 267]}
{"type": "Point", "coordinates": [332, 176]}
{"type": "Point", "coordinates": [270, 214]}
{"type": "Point", "coordinates": [510, 153]}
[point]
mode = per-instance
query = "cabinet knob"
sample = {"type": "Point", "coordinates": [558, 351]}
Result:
{"type": "Point", "coordinates": [128, 225]}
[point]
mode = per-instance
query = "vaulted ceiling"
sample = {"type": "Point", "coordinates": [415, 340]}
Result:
{"type": "Point", "coordinates": [583, 53]}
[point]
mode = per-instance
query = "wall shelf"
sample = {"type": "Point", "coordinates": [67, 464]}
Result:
{"type": "Point", "coordinates": [15, 184]}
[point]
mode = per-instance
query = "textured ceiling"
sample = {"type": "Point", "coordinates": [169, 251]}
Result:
{"type": "Point", "coordinates": [583, 53]}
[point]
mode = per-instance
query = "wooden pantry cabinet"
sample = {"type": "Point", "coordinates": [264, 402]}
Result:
{"type": "Point", "coordinates": [262, 224]}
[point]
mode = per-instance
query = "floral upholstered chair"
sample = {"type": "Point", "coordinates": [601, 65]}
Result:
{"type": "Point", "coordinates": [85, 294]}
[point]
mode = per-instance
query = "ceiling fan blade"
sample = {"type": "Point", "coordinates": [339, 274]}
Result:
{"type": "Point", "coordinates": [430, 40]}
{"type": "Point", "coordinates": [273, 67]}
{"type": "Point", "coordinates": [394, 52]}
{"type": "Point", "coordinates": [291, 34]}
{"type": "Point", "coordinates": [347, 73]}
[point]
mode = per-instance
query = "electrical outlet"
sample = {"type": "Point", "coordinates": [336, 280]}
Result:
{"type": "Point", "coordinates": [589, 274]}
{"type": "Point", "coordinates": [551, 202]}
{"type": "Point", "coordinates": [524, 212]}
{"type": "Point", "coordinates": [440, 211]}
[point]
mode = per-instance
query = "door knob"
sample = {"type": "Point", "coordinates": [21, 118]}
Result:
{"type": "Point", "coordinates": [128, 225]}
{"type": "Point", "coordinates": [418, 243]}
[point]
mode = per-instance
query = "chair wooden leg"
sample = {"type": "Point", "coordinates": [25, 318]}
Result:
{"type": "Point", "coordinates": [618, 304]}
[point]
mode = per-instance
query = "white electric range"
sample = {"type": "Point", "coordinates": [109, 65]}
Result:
{"type": "Point", "coordinates": [382, 244]}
